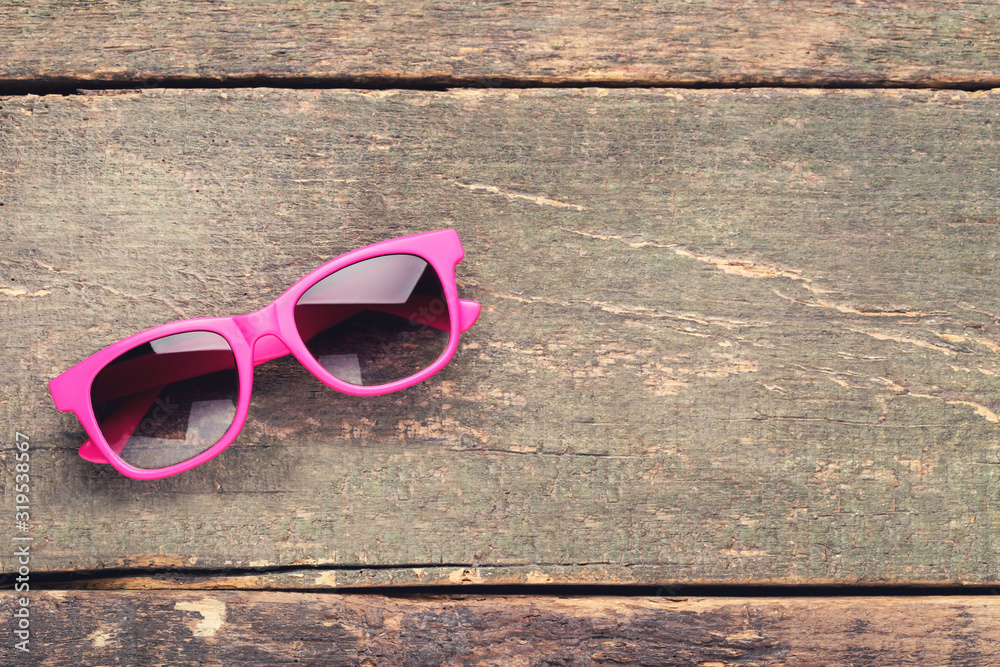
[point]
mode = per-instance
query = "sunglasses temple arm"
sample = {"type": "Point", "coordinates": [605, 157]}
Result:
{"type": "Point", "coordinates": [120, 426]}
{"type": "Point", "coordinates": [268, 348]}
{"type": "Point", "coordinates": [123, 422]}
{"type": "Point", "coordinates": [143, 373]}
{"type": "Point", "coordinates": [429, 312]}
{"type": "Point", "coordinates": [138, 373]}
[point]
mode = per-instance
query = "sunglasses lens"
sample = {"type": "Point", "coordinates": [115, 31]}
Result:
{"type": "Point", "coordinates": [168, 400]}
{"type": "Point", "coordinates": [376, 321]}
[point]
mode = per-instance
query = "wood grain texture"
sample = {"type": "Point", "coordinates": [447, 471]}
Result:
{"type": "Point", "coordinates": [226, 628]}
{"type": "Point", "coordinates": [728, 336]}
{"type": "Point", "coordinates": [913, 43]}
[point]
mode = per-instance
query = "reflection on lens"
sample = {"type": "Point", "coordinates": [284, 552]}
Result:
{"type": "Point", "coordinates": [376, 321]}
{"type": "Point", "coordinates": [168, 400]}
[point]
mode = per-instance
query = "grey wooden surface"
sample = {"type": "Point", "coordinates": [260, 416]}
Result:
{"type": "Point", "coordinates": [409, 42]}
{"type": "Point", "coordinates": [728, 336]}
{"type": "Point", "coordinates": [255, 628]}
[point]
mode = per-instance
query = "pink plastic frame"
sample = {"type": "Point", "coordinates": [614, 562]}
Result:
{"type": "Point", "coordinates": [263, 335]}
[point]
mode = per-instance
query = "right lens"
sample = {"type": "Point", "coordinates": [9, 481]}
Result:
{"type": "Point", "coordinates": [376, 321]}
{"type": "Point", "coordinates": [168, 400]}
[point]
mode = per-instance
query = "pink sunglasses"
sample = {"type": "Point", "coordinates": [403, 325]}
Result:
{"type": "Point", "coordinates": [375, 320]}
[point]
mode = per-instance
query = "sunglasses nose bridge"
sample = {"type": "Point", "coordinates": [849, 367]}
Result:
{"type": "Point", "coordinates": [258, 323]}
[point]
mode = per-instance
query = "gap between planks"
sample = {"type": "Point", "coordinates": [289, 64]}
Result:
{"type": "Point", "coordinates": [67, 86]}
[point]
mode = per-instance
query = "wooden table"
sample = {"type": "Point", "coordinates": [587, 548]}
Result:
{"type": "Point", "coordinates": [732, 400]}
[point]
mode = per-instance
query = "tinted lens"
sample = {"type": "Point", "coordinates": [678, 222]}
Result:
{"type": "Point", "coordinates": [376, 321]}
{"type": "Point", "coordinates": [168, 400]}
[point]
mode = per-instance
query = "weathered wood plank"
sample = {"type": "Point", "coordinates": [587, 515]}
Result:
{"type": "Point", "coordinates": [728, 336]}
{"type": "Point", "coordinates": [217, 627]}
{"type": "Point", "coordinates": [919, 42]}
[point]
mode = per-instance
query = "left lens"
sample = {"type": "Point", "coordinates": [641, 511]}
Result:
{"type": "Point", "coordinates": [168, 400]}
{"type": "Point", "coordinates": [377, 321]}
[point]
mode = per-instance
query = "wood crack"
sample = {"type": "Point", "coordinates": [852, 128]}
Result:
{"type": "Point", "coordinates": [852, 310]}
{"type": "Point", "coordinates": [905, 340]}
{"type": "Point", "coordinates": [537, 199]}
{"type": "Point", "coordinates": [978, 408]}
{"type": "Point", "coordinates": [638, 311]}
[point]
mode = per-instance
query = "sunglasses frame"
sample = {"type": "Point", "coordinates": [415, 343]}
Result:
{"type": "Point", "coordinates": [247, 336]}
